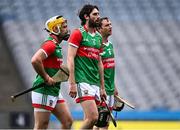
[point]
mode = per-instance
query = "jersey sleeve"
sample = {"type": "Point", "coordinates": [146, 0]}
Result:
{"type": "Point", "coordinates": [48, 47]}
{"type": "Point", "coordinates": [75, 38]}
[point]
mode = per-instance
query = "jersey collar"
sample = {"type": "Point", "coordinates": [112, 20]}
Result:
{"type": "Point", "coordinates": [86, 28]}
{"type": "Point", "coordinates": [55, 39]}
{"type": "Point", "coordinates": [106, 43]}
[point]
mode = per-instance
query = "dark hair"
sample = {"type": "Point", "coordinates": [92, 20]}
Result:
{"type": "Point", "coordinates": [86, 9]}
{"type": "Point", "coordinates": [101, 19]}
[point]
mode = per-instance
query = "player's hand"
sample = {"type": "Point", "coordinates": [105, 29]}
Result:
{"type": "Point", "coordinates": [116, 92]}
{"type": "Point", "coordinates": [103, 93]}
{"type": "Point", "coordinates": [72, 90]}
{"type": "Point", "coordinates": [49, 81]}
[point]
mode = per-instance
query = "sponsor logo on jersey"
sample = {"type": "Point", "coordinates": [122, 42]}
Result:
{"type": "Point", "coordinates": [108, 63]}
{"type": "Point", "coordinates": [89, 52]}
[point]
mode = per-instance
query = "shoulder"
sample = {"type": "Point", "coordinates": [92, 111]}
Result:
{"type": "Point", "coordinates": [98, 34]}
{"type": "Point", "coordinates": [81, 29]}
{"type": "Point", "coordinates": [48, 45]}
{"type": "Point", "coordinates": [48, 42]}
{"type": "Point", "coordinates": [76, 32]}
{"type": "Point", "coordinates": [75, 37]}
{"type": "Point", "coordinates": [110, 42]}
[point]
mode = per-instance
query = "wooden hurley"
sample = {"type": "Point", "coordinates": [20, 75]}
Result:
{"type": "Point", "coordinates": [61, 76]}
{"type": "Point", "coordinates": [111, 115]}
{"type": "Point", "coordinates": [124, 101]}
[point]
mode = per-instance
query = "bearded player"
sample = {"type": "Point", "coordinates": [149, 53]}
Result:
{"type": "Point", "coordinates": [85, 66]}
{"type": "Point", "coordinates": [46, 62]}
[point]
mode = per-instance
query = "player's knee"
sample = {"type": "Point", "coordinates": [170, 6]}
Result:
{"type": "Point", "coordinates": [93, 119]}
{"type": "Point", "coordinates": [68, 123]}
{"type": "Point", "coordinates": [41, 125]}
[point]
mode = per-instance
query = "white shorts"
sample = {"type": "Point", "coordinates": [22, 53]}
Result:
{"type": "Point", "coordinates": [42, 102]}
{"type": "Point", "coordinates": [87, 92]}
{"type": "Point", "coordinates": [109, 101]}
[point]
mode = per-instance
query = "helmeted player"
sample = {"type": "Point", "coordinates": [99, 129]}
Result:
{"type": "Point", "coordinates": [46, 62]}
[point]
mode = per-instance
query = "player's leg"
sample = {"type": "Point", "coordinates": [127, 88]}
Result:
{"type": "Point", "coordinates": [103, 128]}
{"type": "Point", "coordinates": [43, 105]}
{"type": "Point", "coordinates": [86, 97]}
{"type": "Point", "coordinates": [104, 118]}
{"type": "Point", "coordinates": [63, 114]}
{"type": "Point", "coordinates": [95, 128]}
{"type": "Point", "coordinates": [110, 102]}
{"type": "Point", "coordinates": [41, 119]}
{"type": "Point", "coordinates": [90, 114]}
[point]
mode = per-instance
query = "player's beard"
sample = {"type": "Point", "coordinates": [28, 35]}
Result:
{"type": "Point", "coordinates": [64, 36]}
{"type": "Point", "coordinates": [93, 24]}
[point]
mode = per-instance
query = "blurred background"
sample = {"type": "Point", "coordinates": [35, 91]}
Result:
{"type": "Point", "coordinates": [146, 38]}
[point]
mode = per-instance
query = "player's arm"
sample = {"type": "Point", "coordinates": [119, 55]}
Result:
{"type": "Point", "coordinates": [101, 73]}
{"type": "Point", "coordinates": [115, 90]}
{"type": "Point", "coordinates": [74, 42]}
{"type": "Point", "coordinates": [70, 63]}
{"type": "Point", "coordinates": [116, 93]}
{"type": "Point", "coordinates": [37, 63]}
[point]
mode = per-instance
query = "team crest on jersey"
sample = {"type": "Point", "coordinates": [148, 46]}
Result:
{"type": "Point", "coordinates": [85, 92]}
{"type": "Point", "coordinates": [50, 102]}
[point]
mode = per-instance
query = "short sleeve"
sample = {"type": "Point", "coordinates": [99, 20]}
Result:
{"type": "Point", "coordinates": [75, 38]}
{"type": "Point", "coordinates": [48, 47]}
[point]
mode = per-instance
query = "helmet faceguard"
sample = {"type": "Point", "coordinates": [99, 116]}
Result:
{"type": "Point", "coordinates": [54, 21]}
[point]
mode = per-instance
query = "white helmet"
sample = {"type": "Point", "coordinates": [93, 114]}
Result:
{"type": "Point", "coordinates": [54, 21]}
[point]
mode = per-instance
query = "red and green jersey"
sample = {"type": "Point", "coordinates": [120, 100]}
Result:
{"type": "Point", "coordinates": [51, 65]}
{"type": "Point", "coordinates": [86, 59]}
{"type": "Point", "coordinates": [109, 67]}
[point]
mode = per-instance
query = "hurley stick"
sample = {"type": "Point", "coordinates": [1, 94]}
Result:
{"type": "Point", "coordinates": [61, 76]}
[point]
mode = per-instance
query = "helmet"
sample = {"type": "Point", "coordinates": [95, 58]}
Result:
{"type": "Point", "coordinates": [118, 106]}
{"type": "Point", "coordinates": [54, 21]}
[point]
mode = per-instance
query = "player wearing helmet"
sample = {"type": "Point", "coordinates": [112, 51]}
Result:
{"type": "Point", "coordinates": [54, 25]}
{"type": "Point", "coordinates": [46, 62]}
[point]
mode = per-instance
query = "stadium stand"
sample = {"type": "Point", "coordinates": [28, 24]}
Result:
{"type": "Point", "coordinates": [10, 84]}
{"type": "Point", "coordinates": [145, 36]}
